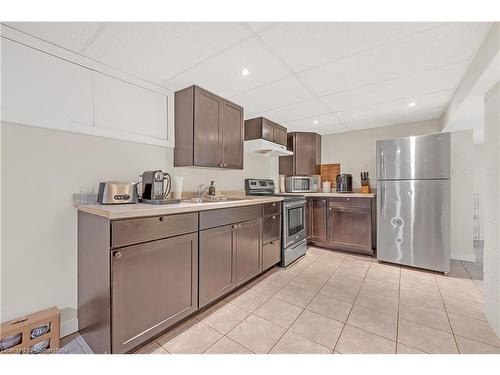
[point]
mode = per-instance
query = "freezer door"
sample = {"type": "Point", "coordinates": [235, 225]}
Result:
{"type": "Point", "coordinates": [413, 219]}
{"type": "Point", "coordinates": [414, 158]}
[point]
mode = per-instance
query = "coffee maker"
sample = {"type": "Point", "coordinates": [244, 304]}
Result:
{"type": "Point", "coordinates": [156, 186]}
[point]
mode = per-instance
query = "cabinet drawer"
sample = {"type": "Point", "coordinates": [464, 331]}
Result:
{"type": "Point", "coordinates": [271, 254]}
{"type": "Point", "coordinates": [272, 228]}
{"type": "Point", "coordinates": [273, 208]}
{"type": "Point", "coordinates": [350, 202]}
{"type": "Point", "coordinates": [128, 232]}
{"type": "Point", "coordinates": [225, 216]}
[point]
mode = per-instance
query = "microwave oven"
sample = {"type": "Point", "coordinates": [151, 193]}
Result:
{"type": "Point", "coordinates": [302, 184]}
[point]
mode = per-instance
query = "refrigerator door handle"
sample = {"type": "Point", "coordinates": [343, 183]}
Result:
{"type": "Point", "coordinates": [382, 199]}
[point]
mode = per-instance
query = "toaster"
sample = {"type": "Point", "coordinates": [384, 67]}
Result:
{"type": "Point", "coordinates": [113, 192]}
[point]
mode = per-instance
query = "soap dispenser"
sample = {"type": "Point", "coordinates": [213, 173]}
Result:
{"type": "Point", "coordinates": [211, 189]}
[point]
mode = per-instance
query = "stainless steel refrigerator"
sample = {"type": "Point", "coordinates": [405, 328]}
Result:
{"type": "Point", "coordinates": [413, 201]}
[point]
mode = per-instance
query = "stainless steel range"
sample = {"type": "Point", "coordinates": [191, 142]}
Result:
{"type": "Point", "coordinates": [293, 242]}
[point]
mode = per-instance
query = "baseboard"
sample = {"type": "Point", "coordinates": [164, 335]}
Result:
{"type": "Point", "coordinates": [465, 257]}
{"type": "Point", "coordinates": [68, 327]}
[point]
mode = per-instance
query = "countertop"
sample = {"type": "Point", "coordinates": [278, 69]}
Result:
{"type": "Point", "coordinates": [125, 211]}
{"type": "Point", "coordinates": [335, 195]}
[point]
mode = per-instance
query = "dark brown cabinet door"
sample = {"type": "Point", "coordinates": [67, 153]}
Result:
{"type": "Point", "coordinates": [350, 228]}
{"type": "Point", "coordinates": [271, 254]}
{"type": "Point", "coordinates": [318, 220]}
{"type": "Point", "coordinates": [207, 133]}
{"type": "Point", "coordinates": [280, 134]}
{"type": "Point", "coordinates": [306, 158]}
{"type": "Point", "coordinates": [154, 285]}
{"type": "Point", "coordinates": [248, 250]}
{"type": "Point", "coordinates": [267, 130]}
{"type": "Point", "coordinates": [217, 263]}
{"type": "Point", "coordinates": [271, 230]}
{"type": "Point", "coordinates": [232, 135]}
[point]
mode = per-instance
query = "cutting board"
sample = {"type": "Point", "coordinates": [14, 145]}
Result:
{"type": "Point", "coordinates": [329, 172]}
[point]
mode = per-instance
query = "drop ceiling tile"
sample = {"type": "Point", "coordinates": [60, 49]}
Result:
{"type": "Point", "coordinates": [272, 96]}
{"type": "Point", "coordinates": [440, 79]}
{"type": "Point", "coordinates": [306, 109]}
{"type": "Point", "coordinates": [258, 26]}
{"type": "Point", "coordinates": [435, 100]}
{"type": "Point", "coordinates": [441, 46]}
{"type": "Point", "coordinates": [70, 35]}
{"type": "Point", "coordinates": [396, 119]}
{"type": "Point", "coordinates": [222, 73]}
{"type": "Point", "coordinates": [323, 42]}
{"type": "Point", "coordinates": [326, 123]}
{"type": "Point", "coordinates": [156, 51]}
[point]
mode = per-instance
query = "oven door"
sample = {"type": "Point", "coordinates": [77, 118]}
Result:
{"type": "Point", "coordinates": [294, 222]}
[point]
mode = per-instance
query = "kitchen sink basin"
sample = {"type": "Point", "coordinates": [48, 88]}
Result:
{"type": "Point", "coordinates": [212, 200]}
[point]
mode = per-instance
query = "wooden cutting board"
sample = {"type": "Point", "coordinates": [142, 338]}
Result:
{"type": "Point", "coordinates": [329, 172]}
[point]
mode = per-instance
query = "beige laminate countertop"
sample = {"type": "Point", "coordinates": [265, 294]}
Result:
{"type": "Point", "coordinates": [126, 211]}
{"type": "Point", "coordinates": [335, 195]}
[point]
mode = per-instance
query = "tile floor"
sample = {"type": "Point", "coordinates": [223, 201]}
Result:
{"type": "Point", "coordinates": [333, 302]}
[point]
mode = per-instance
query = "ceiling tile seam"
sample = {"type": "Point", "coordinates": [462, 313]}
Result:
{"type": "Point", "coordinates": [361, 52]}
{"type": "Point", "coordinates": [417, 112]}
{"type": "Point", "coordinates": [429, 70]}
{"type": "Point", "coordinates": [93, 38]}
{"type": "Point", "coordinates": [163, 82]}
{"type": "Point", "coordinates": [271, 24]}
{"type": "Point", "coordinates": [391, 101]}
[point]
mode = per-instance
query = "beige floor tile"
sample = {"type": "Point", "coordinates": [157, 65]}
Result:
{"type": "Point", "coordinates": [282, 276]}
{"type": "Point", "coordinates": [384, 276]}
{"type": "Point", "coordinates": [315, 327]}
{"type": "Point", "coordinates": [357, 341]}
{"type": "Point", "coordinates": [177, 330]}
{"type": "Point", "coordinates": [308, 281]}
{"type": "Point", "coordinates": [410, 282]}
{"type": "Point", "coordinates": [405, 349]}
{"type": "Point", "coordinates": [464, 308]}
{"type": "Point", "coordinates": [389, 290]}
{"type": "Point", "coordinates": [478, 330]}
{"type": "Point", "coordinates": [226, 318]}
{"type": "Point", "coordinates": [250, 300]}
{"type": "Point", "coordinates": [349, 269]}
{"type": "Point", "coordinates": [291, 343]}
{"type": "Point", "coordinates": [354, 281]}
{"type": "Point", "coordinates": [378, 302]}
{"type": "Point", "coordinates": [316, 250]}
{"type": "Point", "coordinates": [152, 348]}
{"type": "Point", "coordinates": [468, 293]}
{"type": "Point", "coordinates": [427, 316]}
{"type": "Point", "coordinates": [418, 297]}
{"type": "Point", "coordinates": [269, 286]}
{"type": "Point", "coordinates": [278, 312]}
{"type": "Point", "coordinates": [227, 346]}
{"type": "Point", "coordinates": [235, 294]}
{"type": "Point", "coordinates": [330, 307]}
{"type": "Point", "coordinates": [415, 272]}
{"type": "Point", "coordinates": [427, 339]}
{"type": "Point", "coordinates": [385, 267]}
{"type": "Point", "coordinates": [468, 346]}
{"type": "Point", "coordinates": [340, 292]}
{"type": "Point", "coordinates": [295, 295]}
{"type": "Point", "coordinates": [210, 309]}
{"type": "Point", "coordinates": [256, 334]}
{"type": "Point", "coordinates": [373, 321]}
{"type": "Point", "coordinates": [194, 340]}
{"type": "Point", "coordinates": [454, 282]}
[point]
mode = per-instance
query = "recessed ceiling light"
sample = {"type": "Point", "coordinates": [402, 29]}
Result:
{"type": "Point", "coordinates": [245, 72]}
{"type": "Point", "coordinates": [412, 104]}
{"type": "Point", "coordinates": [315, 122]}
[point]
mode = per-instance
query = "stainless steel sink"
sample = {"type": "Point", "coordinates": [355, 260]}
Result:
{"type": "Point", "coordinates": [212, 200]}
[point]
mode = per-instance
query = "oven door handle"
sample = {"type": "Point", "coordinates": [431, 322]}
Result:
{"type": "Point", "coordinates": [295, 204]}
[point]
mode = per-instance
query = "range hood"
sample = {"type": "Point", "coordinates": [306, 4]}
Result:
{"type": "Point", "coordinates": [265, 147]}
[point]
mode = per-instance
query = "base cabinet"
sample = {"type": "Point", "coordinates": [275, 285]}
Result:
{"type": "Point", "coordinates": [248, 250]}
{"type": "Point", "coordinates": [271, 254]}
{"type": "Point", "coordinates": [318, 226]}
{"type": "Point", "coordinates": [144, 306]}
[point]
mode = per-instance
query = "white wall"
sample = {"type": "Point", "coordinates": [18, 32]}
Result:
{"type": "Point", "coordinates": [355, 150]}
{"type": "Point", "coordinates": [489, 173]}
{"type": "Point", "coordinates": [478, 186]}
{"type": "Point", "coordinates": [41, 169]}
{"type": "Point", "coordinates": [461, 196]}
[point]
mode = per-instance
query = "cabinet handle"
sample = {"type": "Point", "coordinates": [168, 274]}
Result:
{"type": "Point", "coordinates": [274, 217]}
{"type": "Point", "coordinates": [274, 204]}
{"type": "Point", "coordinates": [235, 226]}
{"type": "Point", "coordinates": [221, 165]}
{"type": "Point", "coordinates": [117, 255]}
{"type": "Point", "coordinates": [161, 218]}
{"type": "Point", "coordinates": [225, 164]}
{"type": "Point", "coordinates": [239, 226]}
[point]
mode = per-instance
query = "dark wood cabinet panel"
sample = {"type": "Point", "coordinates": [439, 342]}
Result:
{"type": "Point", "coordinates": [271, 230]}
{"type": "Point", "coordinates": [232, 135]}
{"type": "Point", "coordinates": [144, 306]}
{"type": "Point", "coordinates": [248, 250]}
{"type": "Point", "coordinates": [351, 229]}
{"type": "Point", "coordinates": [306, 158]}
{"type": "Point", "coordinates": [260, 127]}
{"type": "Point", "coordinates": [280, 134]}
{"type": "Point", "coordinates": [273, 208]}
{"type": "Point", "coordinates": [271, 254]}
{"type": "Point", "coordinates": [318, 226]}
{"type": "Point", "coordinates": [217, 263]}
{"type": "Point", "coordinates": [267, 130]}
{"type": "Point", "coordinates": [208, 130]}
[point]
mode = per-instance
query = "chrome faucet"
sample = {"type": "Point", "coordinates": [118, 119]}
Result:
{"type": "Point", "coordinates": [202, 190]}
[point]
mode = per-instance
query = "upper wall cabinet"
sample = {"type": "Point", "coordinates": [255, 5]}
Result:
{"type": "Point", "coordinates": [47, 86]}
{"type": "Point", "coordinates": [306, 158]}
{"type": "Point", "coordinates": [38, 88]}
{"type": "Point", "coordinates": [208, 130]}
{"type": "Point", "coordinates": [261, 127]}
{"type": "Point", "coordinates": [125, 107]}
